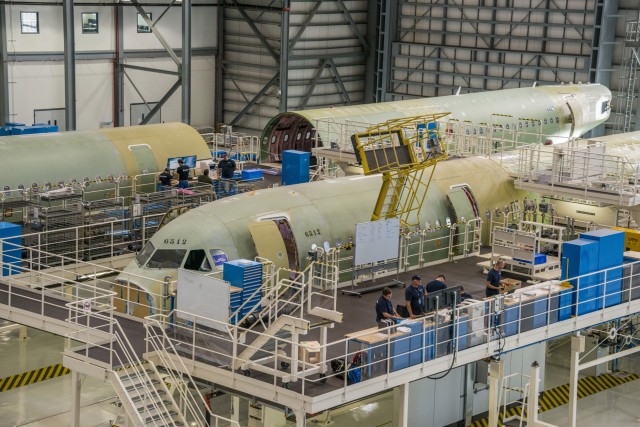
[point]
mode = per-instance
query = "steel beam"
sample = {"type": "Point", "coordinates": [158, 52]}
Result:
{"type": "Point", "coordinates": [352, 24]}
{"type": "Point", "coordinates": [186, 61]}
{"type": "Point", "coordinates": [106, 54]}
{"type": "Point", "coordinates": [4, 69]}
{"type": "Point", "coordinates": [256, 31]}
{"type": "Point", "coordinates": [577, 347]}
{"type": "Point", "coordinates": [255, 99]}
{"type": "Point", "coordinates": [218, 95]}
{"type": "Point", "coordinates": [339, 82]}
{"type": "Point", "coordinates": [118, 63]}
{"type": "Point", "coordinates": [604, 52]}
{"type": "Point", "coordinates": [162, 101]}
{"type": "Point", "coordinates": [69, 65]}
{"type": "Point", "coordinates": [307, 20]}
{"type": "Point", "coordinates": [314, 82]}
{"type": "Point", "coordinates": [158, 35]}
{"type": "Point", "coordinates": [151, 70]}
{"type": "Point", "coordinates": [284, 56]}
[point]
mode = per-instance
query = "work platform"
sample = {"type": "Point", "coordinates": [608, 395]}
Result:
{"type": "Point", "coordinates": [196, 348]}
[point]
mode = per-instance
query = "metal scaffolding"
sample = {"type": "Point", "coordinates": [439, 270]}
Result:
{"type": "Point", "coordinates": [625, 118]}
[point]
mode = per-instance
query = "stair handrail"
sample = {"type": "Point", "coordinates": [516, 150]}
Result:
{"type": "Point", "coordinates": [98, 322]}
{"type": "Point", "coordinates": [161, 344]}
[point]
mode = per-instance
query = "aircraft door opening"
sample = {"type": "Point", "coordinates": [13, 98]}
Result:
{"type": "Point", "coordinates": [465, 208]}
{"type": "Point", "coordinates": [274, 240]}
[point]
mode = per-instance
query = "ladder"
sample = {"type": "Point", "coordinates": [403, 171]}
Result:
{"type": "Point", "coordinates": [406, 152]}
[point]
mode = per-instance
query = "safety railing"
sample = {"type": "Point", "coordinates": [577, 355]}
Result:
{"type": "Point", "coordinates": [448, 336]}
{"type": "Point", "coordinates": [191, 399]}
{"type": "Point", "coordinates": [588, 172]}
{"type": "Point", "coordinates": [69, 279]}
{"type": "Point", "coordinates": [239, 146]}
{"type": "Point", "coordinates": [157, 407]}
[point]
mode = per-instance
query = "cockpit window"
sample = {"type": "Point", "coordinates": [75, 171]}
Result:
{"type": "Point", "coordinates": [197, 260]}
{"type": "Point", "coordinates": [143, 256]}
{"type": "Point", "coordinates": [605, 107]}
{"type": "Point", "coordinates": [167, 258]}
{"type": "Point", "coordinates": [219, 258]}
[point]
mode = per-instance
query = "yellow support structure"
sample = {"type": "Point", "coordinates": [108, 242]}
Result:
{"type": "Point", "coordinates": [402, 150]}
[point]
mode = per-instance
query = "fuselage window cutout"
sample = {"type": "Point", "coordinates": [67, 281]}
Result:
{"type": "Point", "coordinates": [298, 136]}
{"type": "Point", "coordinates": [286, 137]}
{"type": "Point", "coordinates": [274, 139]}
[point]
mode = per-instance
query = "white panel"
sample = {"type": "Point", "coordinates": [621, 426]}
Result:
{"type": "Point", "coordinates": [203, 296]}
{"type": "Point", "coordinates": [377, 241]}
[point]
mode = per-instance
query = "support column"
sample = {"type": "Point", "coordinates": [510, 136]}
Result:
{"type": "Point", "coordinates": [401, 406]}
{"type": "Point", "coordinates": [76, 387]}
{"type": "Point", "coordinates": [69, 65]}
{"type": "Point", "coordinates": [301, 418]}
{"type": "Point", "coordinates": [577, 347]}
{"type": "Point", "coordinates": [469, 380]}
{"type": "Point", "coordinates": [284, 56]}
{"type": "Point", "coordinates": [606, 43]}
{"type": "Point", "coordinates": [118, 99]}
{"type": "Point", "coordinates": [186, 61]}
{"type": "Point", "coordinates": [218, 96]}
{"type": "Point", "coordinates": [4, 68]}
{"type": "Point", "coordinates": [532, 399]}
{"type": "Point", "coordinates": [235, 408]}
{"type": "Point", "coordinates": [496, 373]}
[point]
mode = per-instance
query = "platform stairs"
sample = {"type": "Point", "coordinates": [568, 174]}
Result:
{"type": "Point", "coordinates": [142, 389]}
{"type": "Point", "coordinates": [403, 151]}
{"type": "Point", "coordinates": [288, 309]}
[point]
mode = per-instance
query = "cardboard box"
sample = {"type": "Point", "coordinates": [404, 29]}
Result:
{"type": "Point", "coordinates": [510, 284]}
{"type": "Point", "coordinates": [309, 351]}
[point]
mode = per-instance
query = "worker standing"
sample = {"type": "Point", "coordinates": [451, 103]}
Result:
{"type": "Point", "coordinates": [493, 279]}
{"type": "Point", "coordinates": [183, 174]}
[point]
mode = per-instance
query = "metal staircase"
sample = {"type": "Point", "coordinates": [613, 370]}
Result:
{"type": "Point", "coordinates": [403, 150]}
{"type": "Point", "coordinates": [628, 77]}
{"type": "Point", "coordinates": [145, 396]}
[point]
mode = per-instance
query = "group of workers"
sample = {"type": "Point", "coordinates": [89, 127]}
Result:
{"type": "Point", "coordinates": [415, 293]}
{"type": "Point", "coordinates": [226, 169]}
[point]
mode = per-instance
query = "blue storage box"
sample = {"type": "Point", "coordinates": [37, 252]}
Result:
{"type": "Point", "coordinates": [580, 257]}
{"type": "Point", "coordinates": [249, 174]}
{"type": "Point", "coordinates": [11, 248]}
{"type": "Point", "coordinates": [28, 130]}
{"type": "Point", "coordinates": [13, 124]}
{"type": "Point", "coordinates": [610, 254]}
{"type": "Point", "coordinates": [246, 275]}
{"type": "Point", "coordinates": [4, 131]}
{"type": "Point", "coordinates": [295, 167]}
{"type": "Point", "coordinates": [537, 259]}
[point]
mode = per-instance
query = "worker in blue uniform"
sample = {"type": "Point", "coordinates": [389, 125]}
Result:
{"type": "Point", "coordinates": [493, 279]}
{"type": "Point", "coordinates": [384, 307]}
{"type": "Point", "coordinates": [183, 174]}
{"type": "Point", "coordinates": [414, 297]}
{"type": "Point", "coordinates": [437, 285]}
{"type": "Point", "coordinates": [164, 179]}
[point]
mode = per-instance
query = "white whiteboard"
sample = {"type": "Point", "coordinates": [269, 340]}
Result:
{"type": "Point", "coordinates": [377, 241]}
{"type": "Point", "coordinates": [203, 296]}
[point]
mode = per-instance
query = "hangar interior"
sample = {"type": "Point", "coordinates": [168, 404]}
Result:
{"type": "Point", "coordinates": [242, 301]}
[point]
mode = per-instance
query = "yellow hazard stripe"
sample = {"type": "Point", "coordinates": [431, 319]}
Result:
{"type": "Point", "coordinates": [31, 377]}
{"type": "Point", "coordinates": [559, 396]}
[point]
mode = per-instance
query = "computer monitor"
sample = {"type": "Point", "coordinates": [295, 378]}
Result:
{"type": "Point", "coordinates": [172, 162]}
{"type": "Point", "coordinates": [451, 295]}
{"type": "Point", "coordinates": [434, 301]}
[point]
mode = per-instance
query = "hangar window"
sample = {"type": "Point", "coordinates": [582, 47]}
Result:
{"type": "Point", "coordinates": [197, 260]}
{"type": "Point", "coordinates": [29, 23]}
{"type": "Point", "coordinates": [167, 258]}
{"type": "Point", "coordinates": [143, 256]}
{"type": "Point", "coordinates": [89, 22]}
{"type": "Point", "coordinates": [143, 27]}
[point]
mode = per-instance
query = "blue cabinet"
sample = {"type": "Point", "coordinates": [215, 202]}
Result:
{"type": "Point", "coordinates": [580, 257]}
{"type": "Point", "coordinates": [11, 235]}
{"type": "Point", "coordinates": [246, 275]}
{"type": "Point", "coordinates": [295, 167]}
{"type": "Point", "coordinates": [610, 254]}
